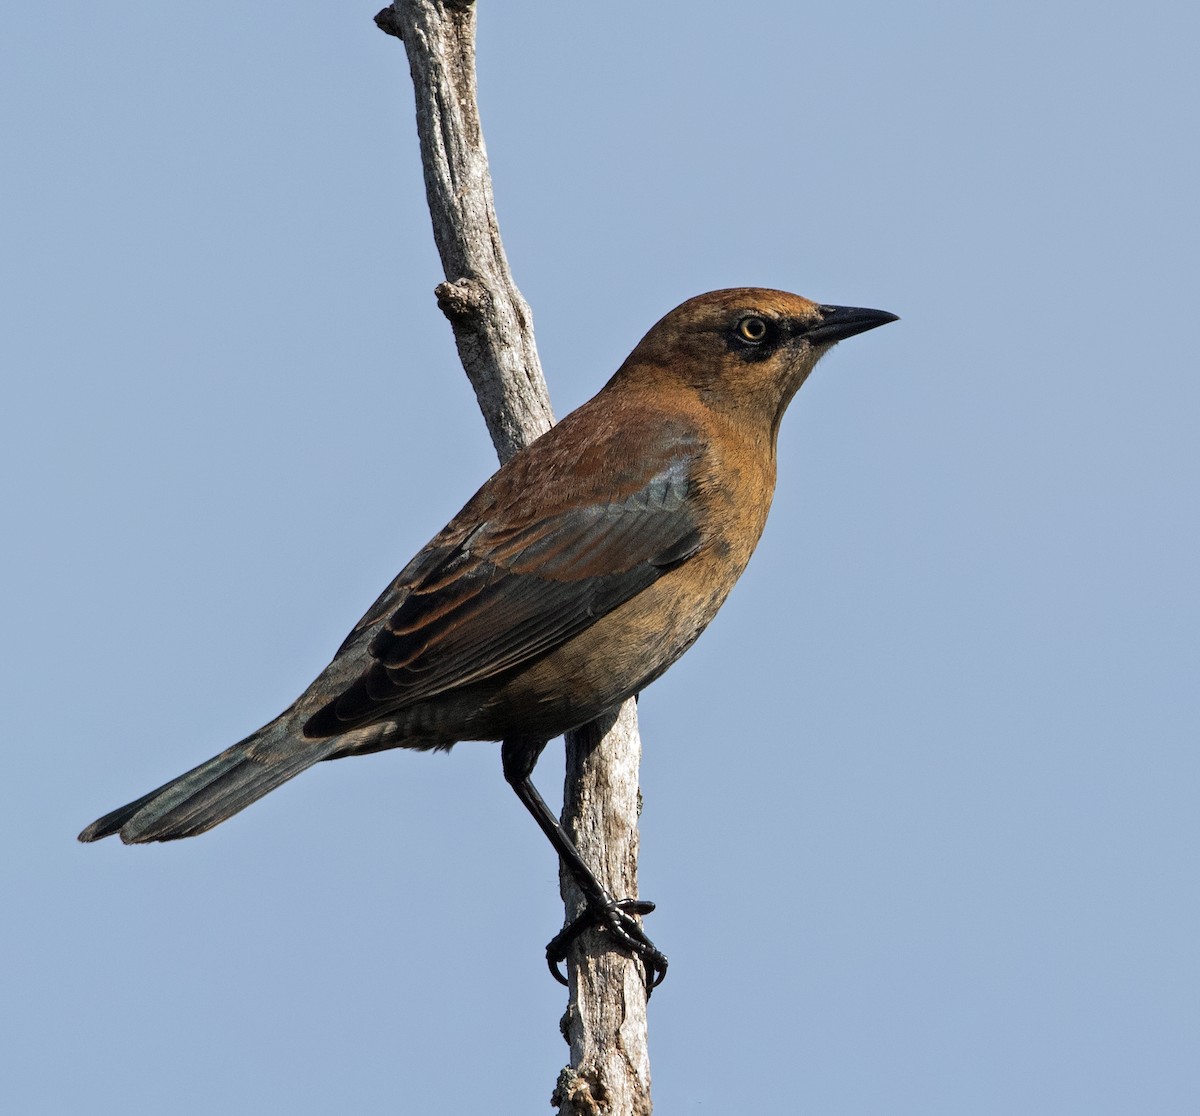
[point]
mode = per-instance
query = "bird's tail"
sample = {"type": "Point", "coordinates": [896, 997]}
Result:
{"type": "Point", "coordinates": [217, 789]}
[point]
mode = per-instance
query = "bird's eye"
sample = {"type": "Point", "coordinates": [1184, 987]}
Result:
{"type": "Point", "coordinates": [753, 330]}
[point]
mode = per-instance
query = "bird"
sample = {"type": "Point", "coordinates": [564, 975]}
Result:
{"type": "Point", "coordinates": [575, 576]}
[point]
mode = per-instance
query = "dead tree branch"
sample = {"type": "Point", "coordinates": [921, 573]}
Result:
{"type": "Point", "coordinates": [605, 1022]}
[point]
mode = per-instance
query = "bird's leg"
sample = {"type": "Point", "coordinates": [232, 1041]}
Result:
{"type": "Point", "coordinates": [601, 909]}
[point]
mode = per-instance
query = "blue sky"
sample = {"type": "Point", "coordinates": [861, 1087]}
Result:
{"type": "Point", "coordinates": [920, 809]}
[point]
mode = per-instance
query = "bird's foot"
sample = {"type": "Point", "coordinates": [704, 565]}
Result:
{"type": "Point", "coordinates": [616, 917]}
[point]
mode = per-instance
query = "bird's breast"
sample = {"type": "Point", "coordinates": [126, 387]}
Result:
{"type": "Point", "coordinates": [628, 648]}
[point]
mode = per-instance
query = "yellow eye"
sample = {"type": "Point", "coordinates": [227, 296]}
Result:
{"type": "Point", "coordinates": [753, 330]}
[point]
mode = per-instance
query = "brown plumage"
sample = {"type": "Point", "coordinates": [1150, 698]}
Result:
{"type": "Point", "coordinates": [572, 579]}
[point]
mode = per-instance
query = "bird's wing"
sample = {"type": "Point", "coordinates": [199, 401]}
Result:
{"type": "Point", "coordinates": [504, 591]}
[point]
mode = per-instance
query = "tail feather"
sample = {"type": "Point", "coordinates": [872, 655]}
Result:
{"type": "Point", "coordinates": [214, 791]}
{"type": "Point", "coordinates": [111, 823]}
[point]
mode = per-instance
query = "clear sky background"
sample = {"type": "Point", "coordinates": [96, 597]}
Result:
{"type": "Point", "coordinates": [920, 809]}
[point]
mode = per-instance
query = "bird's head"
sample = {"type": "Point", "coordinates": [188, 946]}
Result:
{"type": "Point", "coordinates": [745, 351]}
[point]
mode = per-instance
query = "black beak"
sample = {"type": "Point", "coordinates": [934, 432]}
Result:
{"type": "Point", "coordinates": [839, 322]}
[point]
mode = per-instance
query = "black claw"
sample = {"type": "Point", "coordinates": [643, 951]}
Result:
{"type": "Point", "coordinates": [618, 921]}
{"type": "Point", "coordinates": [619, 918]}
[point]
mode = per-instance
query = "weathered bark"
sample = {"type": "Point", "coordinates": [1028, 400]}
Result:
{"type": "Point", "coordinates": [605, 1023]}
{"type": "Point", "coordinates": [491, 321]}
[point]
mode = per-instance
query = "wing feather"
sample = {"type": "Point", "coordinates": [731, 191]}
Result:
{"type": "Point", "coordinates": [502, 594]}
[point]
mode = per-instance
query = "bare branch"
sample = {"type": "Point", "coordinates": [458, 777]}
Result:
{"type": "Point", "coordinates": [606, 1017]}
{"type": "Point", "coordinates": [492, 325]}
{"type": "Point", "coordinates": [605, 1022]}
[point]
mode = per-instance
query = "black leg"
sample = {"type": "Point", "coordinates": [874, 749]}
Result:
{"type": "Point", "coordinates": [602, 910]}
